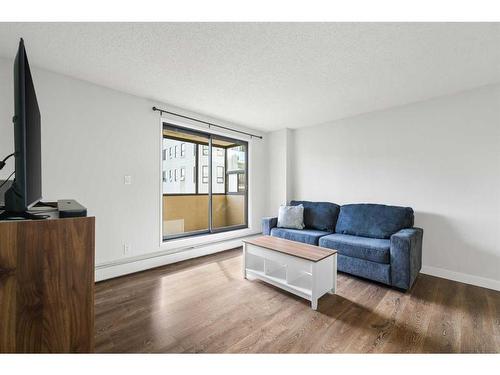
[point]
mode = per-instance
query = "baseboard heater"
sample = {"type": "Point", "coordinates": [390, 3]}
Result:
{"type": "Point", "coordinates": [166, 252]}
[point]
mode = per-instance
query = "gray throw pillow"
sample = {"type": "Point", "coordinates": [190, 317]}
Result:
{"type": "Point", "coordinates": [291, 217]}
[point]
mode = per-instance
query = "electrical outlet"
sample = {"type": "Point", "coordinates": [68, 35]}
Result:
{"type": "Point", "coordinates": [126, 249]}
{"type": "Point", "coordinates": [127, 180]}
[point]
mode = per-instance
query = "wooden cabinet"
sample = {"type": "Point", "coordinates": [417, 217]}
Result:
{"type": "Point", "coordinates": [47, 286]}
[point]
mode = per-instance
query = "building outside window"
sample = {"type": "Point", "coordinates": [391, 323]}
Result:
{"type": "Point", "coordinates": [236, 172]}
{"type": "Point", "coordinates": [220, 174]}
{"type": "Point", "coordinates": [204, 174]}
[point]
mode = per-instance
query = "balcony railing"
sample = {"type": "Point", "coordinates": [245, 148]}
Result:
{"type": "Point", "coordinates": [187, 214]}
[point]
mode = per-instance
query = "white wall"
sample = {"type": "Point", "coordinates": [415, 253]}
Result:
{"type": "Point", "coordinates": [93, 136]}
{"type": "Point", "coordinates": [441, 157]}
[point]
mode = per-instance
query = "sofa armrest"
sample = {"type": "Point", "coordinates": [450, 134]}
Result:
{"type": "Point", "coordinates": [268, 223]}
{"type": "Point", "coordinates": [406, 256]}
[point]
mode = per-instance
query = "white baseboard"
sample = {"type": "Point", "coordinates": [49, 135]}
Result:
{"type": "Point", "coordinates": [131, 265]}
{"type": "Point", "coordinates": [461, 277]}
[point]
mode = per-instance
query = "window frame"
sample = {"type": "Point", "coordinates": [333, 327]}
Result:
{"type": "Point", "coordinates": [197, 175]}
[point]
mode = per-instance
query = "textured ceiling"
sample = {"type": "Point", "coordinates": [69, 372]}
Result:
{"type": "Point", "coordinates": [269, 75]}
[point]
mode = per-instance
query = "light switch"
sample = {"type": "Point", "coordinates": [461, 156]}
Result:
{"type": "Point", "coordinates": [127, 180]}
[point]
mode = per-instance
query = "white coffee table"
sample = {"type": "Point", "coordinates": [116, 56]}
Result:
{"type": "Point", "coordinates": [305, 270]}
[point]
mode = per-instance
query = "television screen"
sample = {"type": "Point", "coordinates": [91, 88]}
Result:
{"type": "Point", "coordinates": [26, 189]}
{"type": "Point", "coordinates": [33, 140]}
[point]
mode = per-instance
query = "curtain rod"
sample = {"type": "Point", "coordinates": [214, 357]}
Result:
{"type": "Point", "coordinates": [205, 122]}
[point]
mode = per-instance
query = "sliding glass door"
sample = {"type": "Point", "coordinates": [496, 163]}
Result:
{"type": "Point", "coordinates": [204, 183]}
{"type": "Point", "coordinates": [185, 198]}
{"type": "Point", "coordinates": [228, 199]}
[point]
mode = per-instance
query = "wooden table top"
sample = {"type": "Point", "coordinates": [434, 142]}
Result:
{"type": "Point", "coordinates": [298, 249]}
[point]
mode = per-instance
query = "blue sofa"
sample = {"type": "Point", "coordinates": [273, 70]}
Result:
{"type": "Point", "coordinates": [374, 241]}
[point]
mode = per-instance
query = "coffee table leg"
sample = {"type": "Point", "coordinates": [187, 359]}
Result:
{"type": "Point", "coordinates": [314, 304]}
{"type": "Point", "coordinates": [334, 289]}
{"type": "Point", "coordinates": [244, 261]}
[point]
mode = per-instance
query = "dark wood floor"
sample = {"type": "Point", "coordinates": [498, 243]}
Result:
{"type": "Point", "coordinates": [204, 305]}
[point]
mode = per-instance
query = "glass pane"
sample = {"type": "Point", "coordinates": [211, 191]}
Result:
{"type": "Point", "coordinates": [236, 159]}
{"type": "Point", "coordinates": [229, 199]}
{"type": "Point", "coordinates": [184, 211]}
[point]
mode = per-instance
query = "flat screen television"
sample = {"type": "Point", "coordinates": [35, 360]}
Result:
{"type": "Point", "coordinates": [26, 189]}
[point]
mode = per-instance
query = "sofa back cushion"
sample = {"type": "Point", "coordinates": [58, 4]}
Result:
{"type": "Point", "coordinates": [319, 215]}
{"type": "Point", "coordinates": [373, 220]}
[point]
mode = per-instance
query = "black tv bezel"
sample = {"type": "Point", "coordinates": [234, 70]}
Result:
{"type": "Point", "coordinates": [16, 198]}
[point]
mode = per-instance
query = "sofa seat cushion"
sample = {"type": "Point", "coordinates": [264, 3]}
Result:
{"type": "Point", "coordinates": [308, 236]}
{"type": "Point", "coordinates": [373, 220]}
{"type": "Point", "coordinates": [364, 268]}
{"type": "Point", "coordinates": [319, 215]}
{"type": "Point", "coordinates": [372, 249]}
